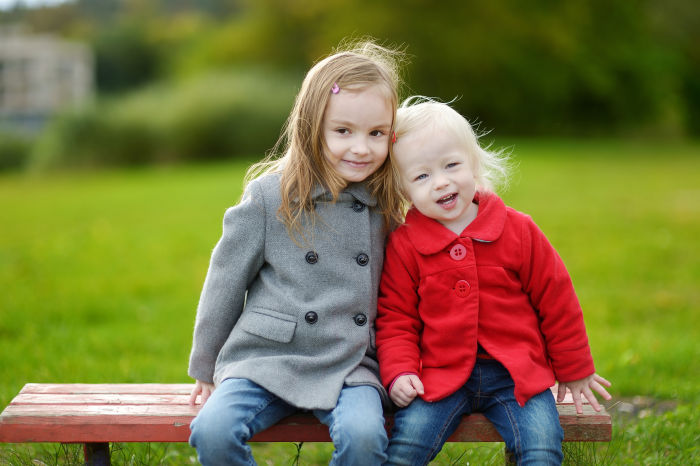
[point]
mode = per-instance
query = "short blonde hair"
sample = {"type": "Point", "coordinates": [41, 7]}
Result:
{"type": "Point", "coordinates": [303, 163]}
{"type": "Point", "coordinates": [491, 168]}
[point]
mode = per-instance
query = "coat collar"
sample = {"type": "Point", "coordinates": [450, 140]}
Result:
{"type": "Point", "coordinates": [429, 236]}
{"type": "Point", "coordinates": [357, 190]}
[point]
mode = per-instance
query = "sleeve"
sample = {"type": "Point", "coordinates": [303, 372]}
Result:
{"type": "Point", "coordinates": [551, 291]}
{"type": "Point", "coordinates": [235, 261]}
{"type": "Point", "coordinates": [398, 322]}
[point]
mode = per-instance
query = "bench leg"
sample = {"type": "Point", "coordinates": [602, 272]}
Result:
{"type": "Point", "coordinates": [97, 454]}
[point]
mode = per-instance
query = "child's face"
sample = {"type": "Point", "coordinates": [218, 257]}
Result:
{"type": "Point", "coordinates": [437, 176]}
{"type": "Point", "coordinates": [356, 128]}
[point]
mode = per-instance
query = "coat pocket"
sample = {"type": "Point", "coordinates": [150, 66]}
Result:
{"type": "Point", "coordinates": [269, 324]}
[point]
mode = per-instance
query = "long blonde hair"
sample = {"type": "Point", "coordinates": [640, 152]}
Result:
{"type": "Point", "coordinates": [302, 163]}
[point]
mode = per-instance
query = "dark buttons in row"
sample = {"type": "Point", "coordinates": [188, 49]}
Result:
{"type": "Point", "coordinates": [311, 318]}
{"type": "Point", "coordinates": [362, 259]}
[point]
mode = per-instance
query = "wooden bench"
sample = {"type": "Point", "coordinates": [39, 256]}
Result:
{"type": "Point", "coordinates": [97, 414]}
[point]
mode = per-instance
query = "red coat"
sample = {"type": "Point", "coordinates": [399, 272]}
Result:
{"type": "Point", "coordinates": [500, 282]}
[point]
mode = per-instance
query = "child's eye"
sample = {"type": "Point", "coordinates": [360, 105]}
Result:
{"type": "Point", "coordinates": [376, 132]}
{"type": "Point", "coordinates": [452, 164]}
{"type": "Point", "coordinates": [422, 176]}
{"type": "Point", "coordinates": [342, 130]}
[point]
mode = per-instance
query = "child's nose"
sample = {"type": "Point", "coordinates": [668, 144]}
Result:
{"type": "Point", "coordinates": [360, 145]}
{"type": "Point", "coordinates": [440, 181]}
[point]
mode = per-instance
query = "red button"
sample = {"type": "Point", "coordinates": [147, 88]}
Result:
{"type": "Point", "coordinates": [462, 288]}
{"type": "Point", "coordinates": [458, 252]}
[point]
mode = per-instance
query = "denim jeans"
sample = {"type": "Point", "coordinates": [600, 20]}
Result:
{"type": "Point", "coordinates": [532, 432]}
{"type": "Point", "coordinates": [239, 408]}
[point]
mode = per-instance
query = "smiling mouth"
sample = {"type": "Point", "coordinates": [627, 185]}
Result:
{"type": "Point", "coordinates": [447, 199]}
{"type": "Point", "coordinates": [352, 163]}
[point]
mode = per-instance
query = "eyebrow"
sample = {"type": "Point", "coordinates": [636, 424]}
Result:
{"type": "Point", "coordinates": [349, 123]}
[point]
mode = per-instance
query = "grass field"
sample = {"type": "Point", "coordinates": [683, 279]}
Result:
{"type": "Point", "coordinates": [100, 275]}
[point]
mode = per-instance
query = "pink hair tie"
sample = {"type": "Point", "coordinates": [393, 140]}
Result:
{"type": "Point", "coordinates": [393, 137]}
{"type": "Point", "coordinates": [335, 89]}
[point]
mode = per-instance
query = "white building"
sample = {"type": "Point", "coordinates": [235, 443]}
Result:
{"type": "Point", "coordinates": [40, 74]}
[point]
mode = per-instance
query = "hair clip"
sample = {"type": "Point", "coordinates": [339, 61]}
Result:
{"type": "Point", "coordinates": [335, 89]}
{"type": "Point", "coordinates": [393, 137]}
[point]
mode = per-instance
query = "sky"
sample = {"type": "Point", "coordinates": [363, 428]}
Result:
{"type": "Point", "coordinates": [7, 4]}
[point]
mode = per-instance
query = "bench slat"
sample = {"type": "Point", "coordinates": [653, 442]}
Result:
{"type": "Point", "coordinates": [115, 388]}
{"type": "Point", "coordinates": [101, 399]}
{"type": "Point", "coordinates": [162, 413]}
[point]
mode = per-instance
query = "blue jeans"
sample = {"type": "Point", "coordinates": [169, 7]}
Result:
{"type": "Point", "coordinates": [532, 432]}
{"type": "Point", "coordinates": [239, 408]}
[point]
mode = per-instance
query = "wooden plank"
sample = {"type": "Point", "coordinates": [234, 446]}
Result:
{"type": "Point", "coordinates": [100, 399]}
{"type": "Point", "coordinates": [162, 413]}
{"type": "Point", "coordinates": [118, 388]}
{"type": "Point", "coordinates": [302, 427]}
{"type": "Point", "coordinates": [110, 412]}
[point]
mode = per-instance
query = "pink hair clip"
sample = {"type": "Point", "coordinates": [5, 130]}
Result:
{"type": "Point", "coordinates": [393, 137]}
{"type": "Point", "coordinates": [335, 89]}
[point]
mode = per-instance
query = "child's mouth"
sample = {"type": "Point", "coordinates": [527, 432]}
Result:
{"type": "Point", "coordinates": [445, 200]}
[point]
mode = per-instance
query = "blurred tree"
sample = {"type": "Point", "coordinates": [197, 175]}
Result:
{"type": "Point", "coordinates": [538, 67]}
{"type": "Point", "coordinates": [125, 58]}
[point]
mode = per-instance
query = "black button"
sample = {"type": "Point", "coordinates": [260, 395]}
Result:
{"type": "Point", "coordinates": [360, 319]}
{"type": "Point", "coordinates": [311, 317]}
{"type": "Point", "coordinates": [362, 259]}
{"type": "Point", "coordinates": [357, 206]}
{"type": "Point", "coordinates": [311, 257]}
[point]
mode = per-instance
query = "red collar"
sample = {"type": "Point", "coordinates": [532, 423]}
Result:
{"type": "Point", "coordinates": [429, 236]}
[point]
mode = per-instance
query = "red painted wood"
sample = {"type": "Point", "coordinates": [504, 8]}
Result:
{"type": "Point", "coordinates": [162, 413]}
{"type": "Point", "coordinates": [101, 399]}
{"type": "Point", "coordinates": [121, 388]}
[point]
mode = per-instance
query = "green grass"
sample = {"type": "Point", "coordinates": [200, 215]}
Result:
{"type": "Point", "coordinates": [101, 272]}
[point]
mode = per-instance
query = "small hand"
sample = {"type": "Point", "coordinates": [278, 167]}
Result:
{"type": "Point", "coordinates": [585, 387]}
{"type": "Point", "coordinates": [201, 388]}
{"type": "Point", "coordinates": [405, 389]}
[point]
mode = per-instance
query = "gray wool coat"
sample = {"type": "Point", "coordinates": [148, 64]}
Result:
{"type": "Point", "coordinates": [306, 325]}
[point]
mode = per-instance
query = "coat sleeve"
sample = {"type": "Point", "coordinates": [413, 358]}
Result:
{"type": "Point", "coordinates": [398, 322]}
{"type": "Point", "coordinates": [235, 261]}
{"type": "Point", "coordinates": [552, 294]}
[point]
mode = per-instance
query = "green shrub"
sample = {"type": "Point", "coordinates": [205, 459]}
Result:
{"type": "Point", "coordinates": [219, 115]}
{"type": "Point", "coordinates": [14, 150]}
{"type": "Point", "coordinates": [92, 137]}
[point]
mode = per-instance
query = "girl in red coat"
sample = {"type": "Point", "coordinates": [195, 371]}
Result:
{"type": "Point", "coordinates": [476, 310]}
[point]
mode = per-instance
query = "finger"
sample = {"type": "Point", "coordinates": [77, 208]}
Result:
{"type": "Point", "coordinates": [602, 391]}
{"type": "Point", "coordinates": [418, 386]}
{"type": "Point", "coordinates": [398, 397]}
{"type": "Point", "coordinates": [400, 401]}
{"type": "Point", "coordinates": [601, 380]}
{"type": "Point", "coordinates": [577, 402]}
{"type": "Point", "coordinates": [407, 392]}
{"type": "Point", "coordinates": [205, 395]}
{"type": "Point", "coordinates": [592, 399]}
{"type": "Point", "coordinates": [561, 393]}
{"type": "Point", "coordinates": [193, 396]}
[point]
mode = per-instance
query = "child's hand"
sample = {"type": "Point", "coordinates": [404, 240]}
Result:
{"type": "Point", "coordinates": [203, 388]}
{"type": "Point", "coordinates": [584, 386]}
{"type": "Point", "coordinates": [405, 389]}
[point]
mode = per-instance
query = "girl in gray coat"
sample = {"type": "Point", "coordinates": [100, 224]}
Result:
{"type": "Point", "coordinates": [286, 317]}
